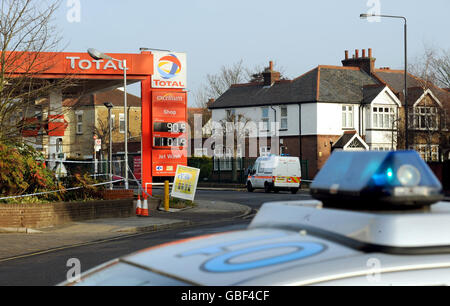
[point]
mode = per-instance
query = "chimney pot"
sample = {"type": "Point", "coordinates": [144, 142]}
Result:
{"type": "Point", "coordinates": [356, 53]}
{"type": "Point", "coordinates": [271, 65]}
{"type": "Point", "coordinates": [346, 54]}
{"type": "Point", "coordinates": [364, 53]}
{"type": "Point", "coordinates": [370, 52]}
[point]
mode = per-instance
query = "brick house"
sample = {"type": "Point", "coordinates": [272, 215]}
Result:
{"type": "Point", "coordinates": [89, 117]}
{"type": "Point", "coordinates": [316, 112]}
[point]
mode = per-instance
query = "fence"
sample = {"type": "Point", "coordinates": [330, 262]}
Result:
{"type": "Point", "coordinates": [100, 169]}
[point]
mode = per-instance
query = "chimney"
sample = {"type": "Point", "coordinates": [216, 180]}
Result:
{"type": "Point", "coordinates": [270, 76]}
{"type": "Point", "coordinates": [364, 63]}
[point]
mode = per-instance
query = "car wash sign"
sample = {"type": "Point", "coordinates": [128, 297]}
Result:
{"type": "Point", "coordinates": [170, 70]}
{"type": "Point", "coordinates": [185, 183]}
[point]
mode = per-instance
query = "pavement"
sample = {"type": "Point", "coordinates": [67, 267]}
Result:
{"type": "Point", "coordinates": [25, 242]}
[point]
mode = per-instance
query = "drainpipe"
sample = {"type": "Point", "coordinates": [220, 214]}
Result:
{"type": "Point", "coordinates": [300, 130]}
{"type": "Point", "coordinates": [275, 121]}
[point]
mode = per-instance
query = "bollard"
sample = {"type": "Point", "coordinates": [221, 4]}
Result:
{"type": "Point", "coordinates": [166, 196]}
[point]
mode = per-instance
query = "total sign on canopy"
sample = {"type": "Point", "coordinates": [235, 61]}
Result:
{"type": "Point", "coordinates": [170, 70]}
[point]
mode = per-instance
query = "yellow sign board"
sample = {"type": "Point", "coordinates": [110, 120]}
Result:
{"type": "Point", "coordinates": [185, 183]}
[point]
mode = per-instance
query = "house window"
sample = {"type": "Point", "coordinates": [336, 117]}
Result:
{"type": "Point", "coordinates": [264, 151]}
{"type": "Point", "coordinates": [200, 152]}
{"type": "Point", "coordinates": [113, 121]}
{"type": "Point", "coordinates": [122, 123]}
{"type": "Point", "coordinates": [224, 160]}
{"type": "Point", "coordinates": [230, 113]}
{"type": "Point", "coordinates": [428, 152]}
{"type": "Point", "coordinates": [381, 148]}
{"type": "Point", "coordinates": [347, 116]}
{"type": "Point", "coordinates": [383, 117]}
{"type": "Point", "coordinates": [284, 118]}
{"type": "Point", "coordinates": [424, 118]}
{"type": "Point", "coordinates": [79, 116]}
{"type": "Point", "coordinates": [265, 119]}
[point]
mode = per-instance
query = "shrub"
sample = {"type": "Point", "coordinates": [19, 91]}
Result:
{"type": "Point", "coordinates": [23, 171]}
{"type": "Point", "coordinates": [205, 164]}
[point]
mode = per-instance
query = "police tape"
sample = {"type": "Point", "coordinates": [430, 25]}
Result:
{"type": "Point", "coordinates": [81, 162]}
{"type": "Point", "coordinates": [56, 191]}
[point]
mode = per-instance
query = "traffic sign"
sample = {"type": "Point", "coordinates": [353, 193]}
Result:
{"type": "Point", "coordinates": [98, 145]}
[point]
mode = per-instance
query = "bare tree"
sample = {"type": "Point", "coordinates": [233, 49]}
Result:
{"type": "Point", "coordinates": [430, 122]}
{"type": "Point", "coordinates": [26, 34]}
{"type": "Point", "coordinates": [234, 131]}
{"type": "Point", "coordinates": [432, 67]}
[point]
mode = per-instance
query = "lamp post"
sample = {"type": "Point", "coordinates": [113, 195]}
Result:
{"type": "Point", "coordinates": [109, 106]}
{"type": "Point", "coordinates": [97, 55]}
{"type": "Point", "coordinates": [365, 16]}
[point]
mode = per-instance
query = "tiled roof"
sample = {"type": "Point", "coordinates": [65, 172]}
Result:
{"type": "Point", "coordinates": [396, 80]}
{"type": "Point", "coordinates": [370, 92]}
{"type": "Point", "coordinates": [114, 96]}
{"type": "Point", "coordinates": [322, 84]}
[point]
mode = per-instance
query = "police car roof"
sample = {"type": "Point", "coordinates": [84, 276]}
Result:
{"type": "Point", "coordinates": [424, 231]}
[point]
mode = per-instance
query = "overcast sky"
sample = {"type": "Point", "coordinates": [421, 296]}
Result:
{"type": "Point", "coordinates": [298, 35]}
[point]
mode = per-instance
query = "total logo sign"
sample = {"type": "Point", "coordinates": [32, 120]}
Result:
{"type": "Point", "coordinates": [170, 70]}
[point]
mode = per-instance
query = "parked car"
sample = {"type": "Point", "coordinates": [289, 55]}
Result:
{"type": "Point", "coordinates": [375, 221]}
{"type": "Point", "coordinates": [275, 173]}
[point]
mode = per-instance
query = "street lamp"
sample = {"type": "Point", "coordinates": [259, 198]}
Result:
{"type": "Point", "coordinates": [365, 16]}
{"type": "Point", "coordinates": [97, 55]}
{"type": "Point", "coordinates": [109, 106]}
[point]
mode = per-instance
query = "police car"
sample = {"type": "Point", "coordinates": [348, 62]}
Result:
{"type": "Point", "coordinates": [376, 220]}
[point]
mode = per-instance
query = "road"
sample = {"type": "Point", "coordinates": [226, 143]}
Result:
{"type": "Point", "coordinates": [51, 268]}
{"type": "Point", "coordinates": [253, 200]}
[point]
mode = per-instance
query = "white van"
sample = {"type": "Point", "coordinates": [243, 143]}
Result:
{"type": "Point", "coordinates": [275, 173]}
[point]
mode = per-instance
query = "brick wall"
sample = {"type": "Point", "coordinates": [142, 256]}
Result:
{"type": "Point", "coordinates": [117, 194]}
{"type": "Point", "coordinates": [46, 215]}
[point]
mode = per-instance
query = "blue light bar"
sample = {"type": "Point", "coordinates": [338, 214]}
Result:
{"type": "Point", "coordinates": [376, 178]}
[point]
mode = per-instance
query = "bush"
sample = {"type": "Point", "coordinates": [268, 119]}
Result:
{"type": "Point", "coordinates": [23, 171]}
{"type": "Point", "coordinates": [87, 192]}
{"type": "Point", "coordinates": [205, 164]}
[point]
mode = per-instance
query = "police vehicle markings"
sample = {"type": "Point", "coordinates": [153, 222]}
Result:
{"type": "Point", "coordinates": [222, 262]}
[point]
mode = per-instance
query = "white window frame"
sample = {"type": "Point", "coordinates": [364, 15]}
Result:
{"type": "Point", "coordinates": [383, 117]}
{"type": "Point", "coordinates": [113, 122]}
{"type": "Point", "coordinates": [348, 116]}
{"type": "Point", "coordinates": [200, 152]}
{"type": "Point", "coordinates": [424, 152]}
{"type": "Point", "coordinates": [225, 160]}
{"type": "Point", "coordinates": [264, 151]}
{"type": "Point", "coordinates": [421, 114]}
{"type": "Point", "coordinates": [79, 126]}
{"type": "Point", "coordinates": [284, 118]}
{"type": "Point", "coordinates": [265, 120]}
{"type": "Point", "coordinates": [122, 119]}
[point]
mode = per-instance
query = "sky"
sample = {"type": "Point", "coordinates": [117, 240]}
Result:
{"type": "Point", "coordinates": [297, 35]}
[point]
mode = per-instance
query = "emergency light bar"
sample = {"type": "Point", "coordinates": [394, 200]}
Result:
{"type": "Point", "coordinates": [376, 179]}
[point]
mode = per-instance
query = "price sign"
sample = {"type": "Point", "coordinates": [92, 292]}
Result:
{"type": "Point", "coordinates": [169, 142]}
{"type": "Point", "coordinates": [169, 127]}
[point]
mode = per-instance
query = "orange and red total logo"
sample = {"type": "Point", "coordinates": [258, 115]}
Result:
{"type": "Point", "coordinates": [169, 66]}
{"type": "Point", "coordinates": [170, 70]}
